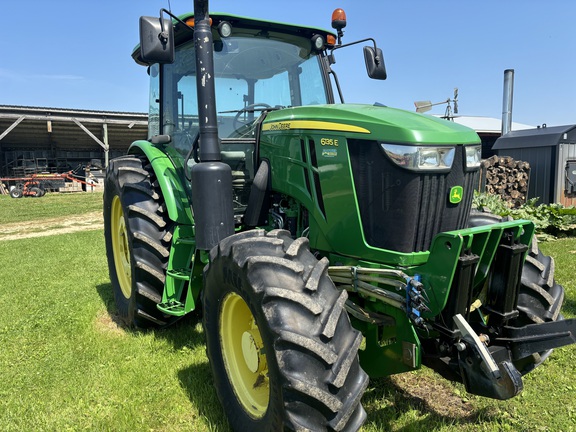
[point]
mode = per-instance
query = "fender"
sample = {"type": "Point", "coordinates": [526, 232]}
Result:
{"type": "Point", "coordinates": [177, 194]}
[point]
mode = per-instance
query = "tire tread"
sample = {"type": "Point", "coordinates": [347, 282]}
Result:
{"type": "Point", "coordinates": [315, 346]}
{"type": "Point", "coordinates": [133, 180]}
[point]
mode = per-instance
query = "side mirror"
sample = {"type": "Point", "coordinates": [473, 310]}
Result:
{"type": "Point", "coordinates": [156, 43]}
{"type": "Point", "coordinates": [374, 63]}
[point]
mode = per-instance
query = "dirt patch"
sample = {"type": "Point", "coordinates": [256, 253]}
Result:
{"type": "Point", "coordinates": [110, 324]}
{"type": "Point", "coordinates": [54, 226]}
{"type": "Point", "coordinates": [434, 396]}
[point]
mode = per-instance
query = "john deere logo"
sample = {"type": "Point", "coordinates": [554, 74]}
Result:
{"type": "Point", "coordinates": [456, 194]}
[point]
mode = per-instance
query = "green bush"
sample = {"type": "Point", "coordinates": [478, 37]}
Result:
{"type": "Point", "coordinates": [551, 220]}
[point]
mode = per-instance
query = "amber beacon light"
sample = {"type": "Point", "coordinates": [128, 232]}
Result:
{"type": "Point", "coordinates": [339, 22]}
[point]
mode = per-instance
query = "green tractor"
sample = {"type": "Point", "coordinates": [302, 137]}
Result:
{"type": "Point", "coordinates": [323, 242]}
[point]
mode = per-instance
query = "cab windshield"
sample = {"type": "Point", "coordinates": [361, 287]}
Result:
{"type": "Point", "coordinates": [253, 73]}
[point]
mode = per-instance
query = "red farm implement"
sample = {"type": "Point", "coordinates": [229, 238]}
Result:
{"type": "Point", "coordinates": [36, 185]}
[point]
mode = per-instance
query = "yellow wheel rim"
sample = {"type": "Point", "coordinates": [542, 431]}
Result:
{"type": "Point", "coordinates": [243, 354]}
{"type": "Point", "coordinates": [120, 247]}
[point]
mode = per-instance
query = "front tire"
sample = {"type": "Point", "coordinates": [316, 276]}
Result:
{"type": "Point", "coordinates": [281, 347]}
{"type": "Point", "coordinates": [540, 298]}
{"type": "Point", "coordinates": [138, 238]}
{"type": "Point", "coordinates": [16, 192]}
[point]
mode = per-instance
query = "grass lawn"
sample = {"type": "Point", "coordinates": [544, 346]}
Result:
{"type": "Point", "coordinates": [65, 364]}
{"type": "Point", "coordinates": [51, 205]}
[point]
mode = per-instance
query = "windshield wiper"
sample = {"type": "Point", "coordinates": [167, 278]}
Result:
{"type": "Point", "coordinates": [241, 110]}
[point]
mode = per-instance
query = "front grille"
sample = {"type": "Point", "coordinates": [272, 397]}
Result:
{"type": "Point", "coordinates": [403, 210]}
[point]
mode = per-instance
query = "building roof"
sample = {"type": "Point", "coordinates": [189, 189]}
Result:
{"type": "Point", "coordinates": [487, 125]}
{"type": "Point", "coordinates": [22, 126]}
{"type": "Point", "coordinates": [537, 137]}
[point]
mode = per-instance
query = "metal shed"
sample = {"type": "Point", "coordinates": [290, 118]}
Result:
{"type": "Point", "coordinates": [551, 152]}
{"type": "Point", "coordinates": [37, 139]}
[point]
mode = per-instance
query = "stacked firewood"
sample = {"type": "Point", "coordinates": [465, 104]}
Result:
{"type": "Point", "coordinates": [504, 176]}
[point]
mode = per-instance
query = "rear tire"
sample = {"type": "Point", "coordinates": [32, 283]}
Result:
{"type": "Point", "coordinates": [36, 192]}
{"type": "Point", "coordinates": [281, 347]}
{"type": "Point", "coordinates": [138, 238]}
{"type": "Point", "coordinates": [540, 298]}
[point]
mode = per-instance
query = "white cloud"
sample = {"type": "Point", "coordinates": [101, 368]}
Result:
{"type": "Point", "coordinates": [10, 75]}
{"type": "Point", "coordinates": [57, 77]}
{"type": "Point", "coordinates": [19, 77]}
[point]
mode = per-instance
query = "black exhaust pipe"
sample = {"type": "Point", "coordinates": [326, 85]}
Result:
{"type": "Point", "coordinates": [211, 178]}
{"type": "Point", "coordinates": [210, 149]}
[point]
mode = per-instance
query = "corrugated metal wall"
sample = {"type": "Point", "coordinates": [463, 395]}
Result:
{"type": "Point", "coordinates": [566, 151]}
{"type": "Point", "coordinates": [542, 162]}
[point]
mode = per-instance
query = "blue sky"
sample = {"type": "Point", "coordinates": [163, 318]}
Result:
{"type": "Point", "coordinates": [76, 54]}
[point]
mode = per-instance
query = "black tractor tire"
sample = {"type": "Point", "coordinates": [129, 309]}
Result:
{"type": "Point", "coordinates": [480, 218]}
{"type": "Point", "coordinates": [540, 298]}
{"type": "Point", "coordinates": [283, 353]}
{"type": "Point", "coordinates": [36, 192]}
{"type": "Point", "coordinates": [138, 238]}
{"type": "Point", "coordinates": [16, 192]}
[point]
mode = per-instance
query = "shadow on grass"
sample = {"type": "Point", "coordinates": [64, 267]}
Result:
{"type": "Point", "coordinates": [569, 307]}
{"type": "Point", "coordinates": [388, 399]}
{"type": "Point", "coordinates": [183, 333]}
{"type": "Point", "coordinates": [197, 381]}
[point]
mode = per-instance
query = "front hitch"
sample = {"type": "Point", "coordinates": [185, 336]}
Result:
{"type": "Point", "coordinates": [490, 371]}
{"type": "Point", "coordinates": [480, 372]}
{"type": "Point", "coordinates": [524, 341]}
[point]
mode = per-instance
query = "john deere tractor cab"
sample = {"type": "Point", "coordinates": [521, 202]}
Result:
{"type": "Point", "coordinates": [324, 242]}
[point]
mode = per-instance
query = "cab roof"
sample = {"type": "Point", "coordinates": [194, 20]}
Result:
{"type": "Point", "coordinates": [182, 33]}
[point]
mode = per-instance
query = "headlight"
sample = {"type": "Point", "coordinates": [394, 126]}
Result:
{"type": "Point", "coordinates": [418, 158]}
{"type": "Point", "coordinates": [473, 156]}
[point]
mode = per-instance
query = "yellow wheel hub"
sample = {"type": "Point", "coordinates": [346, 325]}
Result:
{"type": "Point", "coordinates": [244, 357]}
{"type": "Point", "coordinates": [120, 247]}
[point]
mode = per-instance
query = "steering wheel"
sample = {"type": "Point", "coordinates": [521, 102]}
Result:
{"type": "Point", "coordinates": [237, 124]}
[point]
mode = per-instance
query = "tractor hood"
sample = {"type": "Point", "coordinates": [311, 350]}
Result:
{"type": "Point", "coordinates": [371, 122]}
